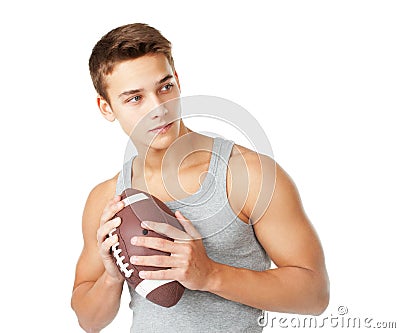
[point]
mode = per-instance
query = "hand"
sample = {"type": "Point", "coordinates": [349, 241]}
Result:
{"type": "Point", "coordinates": [104, 243]}
{"type": "Point", "coordinates": [188, 262]}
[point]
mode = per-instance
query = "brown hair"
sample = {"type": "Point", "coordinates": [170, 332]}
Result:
{"type": "Point", "coordinates": [127, 42]}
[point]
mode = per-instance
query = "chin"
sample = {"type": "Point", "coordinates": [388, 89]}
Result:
{"type": "Point", "coordinates": [162, 141]}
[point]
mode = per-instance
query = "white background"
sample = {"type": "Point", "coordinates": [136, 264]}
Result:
{"type": "Point", "coordinates": [321, 77]}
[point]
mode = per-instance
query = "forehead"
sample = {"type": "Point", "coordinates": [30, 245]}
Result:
{"type": "Point", "coordinates": [139, 73]}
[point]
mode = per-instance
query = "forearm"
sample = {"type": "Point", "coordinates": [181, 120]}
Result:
{"type": "Point", "coordinates": [96, 304]}
{"type": "Point", "coordinates": [285, 289]}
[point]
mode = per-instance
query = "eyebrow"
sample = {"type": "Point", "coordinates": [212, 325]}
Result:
{"type": "Point", "coordinates": [135, 91]}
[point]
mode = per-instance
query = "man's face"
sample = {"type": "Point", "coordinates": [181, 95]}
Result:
{"type": "Point", "coordinates": [137, 90]}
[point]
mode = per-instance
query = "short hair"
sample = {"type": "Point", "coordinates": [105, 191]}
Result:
{"type": "Point", "coordinates": [127, 42]}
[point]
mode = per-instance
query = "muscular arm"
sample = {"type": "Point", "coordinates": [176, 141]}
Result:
{"type": "Point", "coordinates": [97, 291]}
{"type": "Point", "coordinates": [300, 283]}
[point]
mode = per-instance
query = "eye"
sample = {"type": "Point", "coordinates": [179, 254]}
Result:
{"type": "Point", "coordinates": [167, 87]}
{"type": "Point", "coordinates": [134, 99]}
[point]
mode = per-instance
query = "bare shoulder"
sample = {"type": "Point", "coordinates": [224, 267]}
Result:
{"type": "Point", "coordinates": [96, 201]}
{"type": "Point", "coordinates": [251, 181]}
{"type": "Point", "coordinates": [254, 161]}
{"type": "Point", "coordinates": [259, 184]}
{"type": "Point", "coordinates": [103, 191]}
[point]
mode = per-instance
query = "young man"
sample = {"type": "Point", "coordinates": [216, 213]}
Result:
{"type": "Point", "coordinates": [245, 213]}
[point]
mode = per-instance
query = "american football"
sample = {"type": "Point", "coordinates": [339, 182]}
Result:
{"type": "Point", "coordinates": [141, 206]}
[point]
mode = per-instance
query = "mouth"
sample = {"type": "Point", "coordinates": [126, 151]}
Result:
{"type": "Point", "coordinates": [161, 129]}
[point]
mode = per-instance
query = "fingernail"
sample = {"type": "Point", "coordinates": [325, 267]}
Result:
{"type": "Point", "coordinates": [142, 274]}
{"type": "Point", "coordinates": [134, 240]}
{"type": "Point", "coordinates": [134, 259]}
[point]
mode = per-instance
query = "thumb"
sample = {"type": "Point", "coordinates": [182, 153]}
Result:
{"type": "Point", "coordinates": [187, 225]}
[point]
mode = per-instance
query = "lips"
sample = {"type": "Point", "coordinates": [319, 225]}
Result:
{"type": "Point", "coordinates": [161, 129]}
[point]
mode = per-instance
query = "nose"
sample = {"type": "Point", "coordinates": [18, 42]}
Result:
{"type": "Point", "coordinates": [158, 108]}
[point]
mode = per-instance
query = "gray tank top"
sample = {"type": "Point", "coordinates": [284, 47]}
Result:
{"type": "Point", "coordinates": [227, 240]}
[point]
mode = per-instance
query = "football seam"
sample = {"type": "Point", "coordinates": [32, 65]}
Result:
{"type": "Point", "coordinates": [126, 250]}
{"type": "Point", "coordinates": [123, 266]}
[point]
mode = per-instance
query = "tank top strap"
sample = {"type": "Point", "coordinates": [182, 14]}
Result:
{"type": "Point", "coordinates": [221, 152]}
{"type": "Point", "coordinates": [125, 177]}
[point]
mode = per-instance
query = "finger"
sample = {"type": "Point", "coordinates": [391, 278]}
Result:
{"type": "Point", "coordinates": [107, 229]}
{"type": "Point", "coordinates": [111, 209]}
{"type": "Point", "coordinates": [155, 261]}
{"type": "Point", "coordinates": [166, 230]}
{"type": "Point", "coordinates": [107, 244]}
{"type": "Point", "coordinates": [187, 225]}
{"type": "Point", "coordinates": [112, 202]}
{"type": "Point", "coordinates": [115, 199]}
{"type": "Point", "coordinates": [155, 243]}
{"type": "Point", "coordinates": [162, 274]}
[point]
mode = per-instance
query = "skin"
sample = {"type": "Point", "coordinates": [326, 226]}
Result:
{"type": "Point", "coordinates": [299, 284]}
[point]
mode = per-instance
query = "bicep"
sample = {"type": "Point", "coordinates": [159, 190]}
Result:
{"type": "Point", "coordinates": [285, 231]}
{"type": "Point", "coordinates": [90, 266]}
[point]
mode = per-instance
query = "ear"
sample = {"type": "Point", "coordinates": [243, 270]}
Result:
{"type": "Point", "coordinates": [177, 80]}
{"type": "Point", "coordinates": [105, 108]}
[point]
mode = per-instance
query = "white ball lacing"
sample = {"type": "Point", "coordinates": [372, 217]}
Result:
{"type": "Point", "coordinates": [123, 266]}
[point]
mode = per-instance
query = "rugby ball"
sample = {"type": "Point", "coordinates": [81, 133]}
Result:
{"type": "Point", "coordinates": [141, 206]}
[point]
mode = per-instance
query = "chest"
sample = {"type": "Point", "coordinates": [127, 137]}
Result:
{"type": "Point", "coordinates": [177, 183]}
{"type": "Point", "coordinates": [172, 184]}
